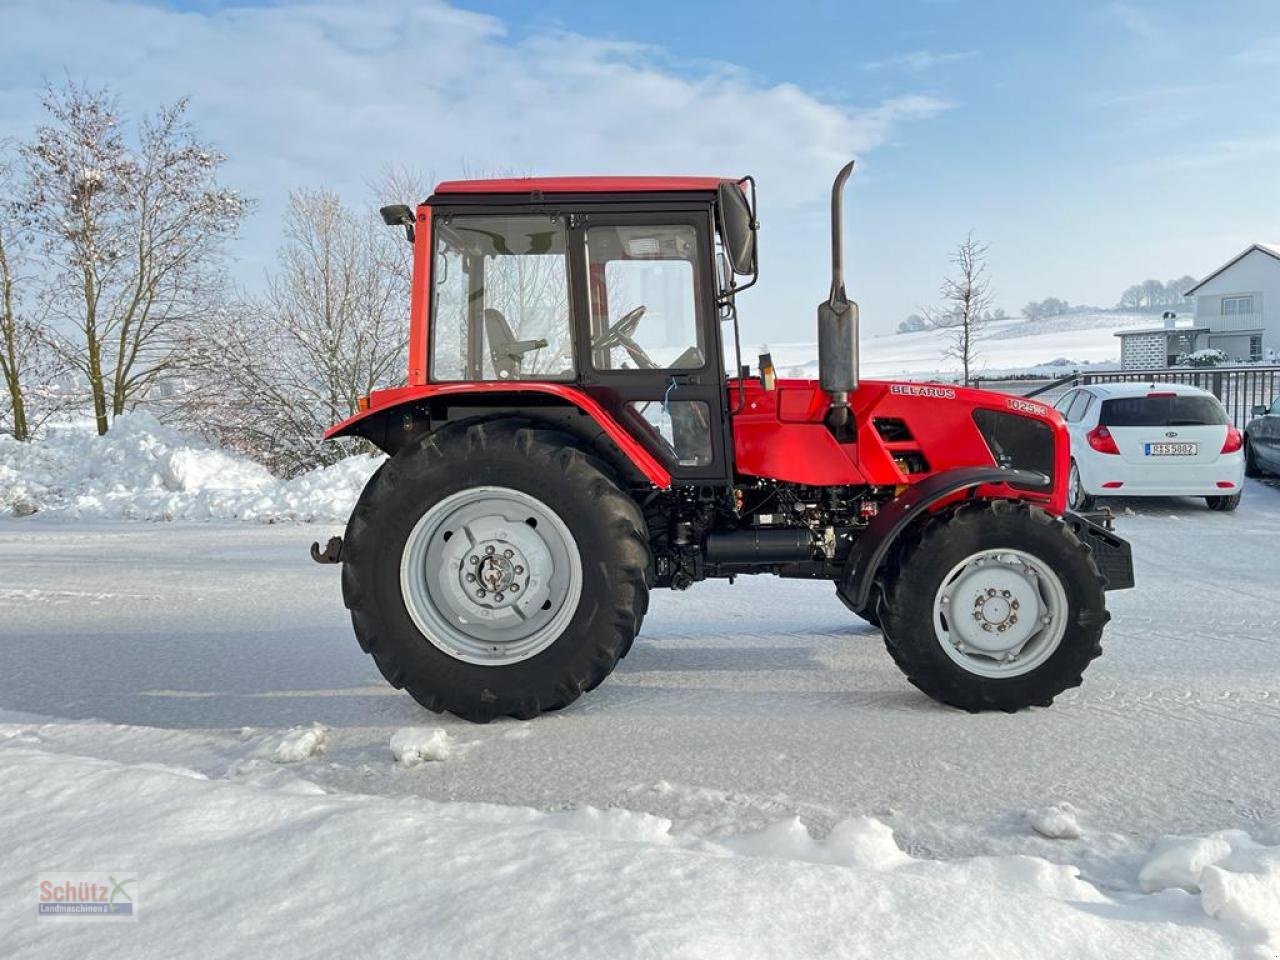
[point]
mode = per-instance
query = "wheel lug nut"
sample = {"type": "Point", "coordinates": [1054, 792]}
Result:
{"type": "Point", "coordinates": [474, 560]}
{"type": "Point", "coordinates": [515, 588]}
{"type": "Point", "coordinates": [519, 569]}
{"type": "Point", "coordinates": [498, 597]}
{"type": "Point", "coordinates": [508, 553]}
{"type": "Point", "coordinates": [479, 593]}
{"type": "Point", "coordinates": [489, 550]}
{"type": "Point", "coordinates": [471, 578]}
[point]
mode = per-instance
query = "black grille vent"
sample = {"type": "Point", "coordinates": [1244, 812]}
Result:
{"type": "Point", "coordinates": [892, 429]}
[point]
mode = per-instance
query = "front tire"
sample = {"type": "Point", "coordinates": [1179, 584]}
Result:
{"type": "Point", "coordinates": [994, 606]}
{"type": "Point", "coordinates": [1224, 504]}
{"type": "Point", "coordinates": [495, 569]}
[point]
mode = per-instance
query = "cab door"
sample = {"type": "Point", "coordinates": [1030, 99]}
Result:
{"type": "Point", "coordinates": [648, 345]}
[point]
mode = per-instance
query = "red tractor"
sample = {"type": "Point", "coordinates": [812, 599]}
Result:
{"type": "Point", "coordinates": [568, 440]}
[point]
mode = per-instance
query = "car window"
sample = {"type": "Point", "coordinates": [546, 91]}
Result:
{"type": "Point", "coordinates": [1078, 407]}
{"type": "Point", "coordinates": [1162, 410]}
{"type": "Point", "coordinates": [1065, 401]}
{"type": "Point", "coordinates": [1275, 406]}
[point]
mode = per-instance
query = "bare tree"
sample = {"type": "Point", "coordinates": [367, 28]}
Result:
{"type": "Point", "coordinates": [133, 237]}
{"type": "Point", "coordinates": [15, 339]}
{"type": "Point", "coordinates": [966, 302]}
{"type": "Point", "coordinates": [331, 325]}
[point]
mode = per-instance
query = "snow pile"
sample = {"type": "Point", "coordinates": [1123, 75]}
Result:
{"type": "Point", "coordinates": [303, 875]}
{"type": "Point", "coordinates": [1057, 821]}
{"type": "Point", "coordinates": [144, 470]}
{"type": "Point", "coordinates": [1238, 880]}
{"type": "Point", "coordinates": [301, 743]}
{"type": "Point", "coordinates": [414, 745]}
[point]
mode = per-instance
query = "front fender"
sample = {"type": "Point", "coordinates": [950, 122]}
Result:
{"type": "Point", "coordinates": [870, 550]}
{"type": "Point", "coordinates": [383, 402]}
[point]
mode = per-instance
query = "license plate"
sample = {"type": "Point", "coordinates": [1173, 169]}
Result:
{"type": "Point", "coordinates": [1172, 449]}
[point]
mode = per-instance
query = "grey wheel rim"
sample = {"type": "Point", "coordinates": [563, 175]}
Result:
{"type": "Point", "coordinates": [1000, 613]}
{"type": "Point", "coordinates": [491, 576]}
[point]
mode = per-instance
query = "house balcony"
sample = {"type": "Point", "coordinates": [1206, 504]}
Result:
{"type": "Point", "coordinates": [1233, 323]}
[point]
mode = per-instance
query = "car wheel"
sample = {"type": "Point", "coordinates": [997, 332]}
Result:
{"type": "Point", "coordinates": [1251, 468]}
{"type": "Point", "coordinates": [1077, 499]}
{"type": "Point", "coordinates": [1224, 504]}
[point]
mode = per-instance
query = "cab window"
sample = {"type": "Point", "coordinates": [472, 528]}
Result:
{"type": "Point", "coordinates": [500, 307]}
{"type": "Point", "coordinates": [643, 296]}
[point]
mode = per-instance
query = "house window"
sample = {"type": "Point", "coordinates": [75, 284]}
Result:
{"type": "Point", "coordinates": [1255, 348]}
{"type": "Point", "coordinates": [1235, 306]}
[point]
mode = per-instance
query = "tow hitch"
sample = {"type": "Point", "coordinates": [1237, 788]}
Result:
{"type": "Point", "coordinates": [332, 552]}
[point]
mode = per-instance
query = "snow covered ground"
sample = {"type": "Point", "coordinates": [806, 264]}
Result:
{"type": "Point", "coordinates": [185, 702]}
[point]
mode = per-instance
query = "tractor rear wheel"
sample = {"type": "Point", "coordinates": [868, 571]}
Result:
{"type": "Point", "coordinates": [993, 606]}
{"type": "Point", "coordinates": [494, 569]}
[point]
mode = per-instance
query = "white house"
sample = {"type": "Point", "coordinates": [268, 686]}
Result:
{"type": "Point", "coordinates": [1237, 312]}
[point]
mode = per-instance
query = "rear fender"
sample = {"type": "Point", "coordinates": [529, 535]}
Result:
{"type": "Point", "coordinates": [871, 549]}
{"type": "Point", "coordinates": [406, 405]}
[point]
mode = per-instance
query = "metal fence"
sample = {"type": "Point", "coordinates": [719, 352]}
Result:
{"type": "Point", "coordinates": [1239, 388]}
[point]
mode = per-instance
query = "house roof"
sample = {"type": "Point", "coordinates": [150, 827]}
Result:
{"type": "Point", "coordinates": [1268, 249]}
{"type": "Point", "coordinates": [582, 185]}
{"type": "Point", "coordinates": [1150, 330]}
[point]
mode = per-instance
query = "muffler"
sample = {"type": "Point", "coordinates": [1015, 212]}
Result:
{"type": "Point", "coordinates": [838, 326]}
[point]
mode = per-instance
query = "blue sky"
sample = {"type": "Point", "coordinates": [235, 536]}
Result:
{"type": "Point", "coordinates": [1090, 144]}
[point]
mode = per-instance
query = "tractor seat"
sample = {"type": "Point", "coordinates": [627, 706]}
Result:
{"type": "Point", "coordinates": [505, 351]}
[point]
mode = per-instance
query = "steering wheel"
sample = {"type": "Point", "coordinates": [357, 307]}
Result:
{"type": "Point", "coordinates": [619, 335]}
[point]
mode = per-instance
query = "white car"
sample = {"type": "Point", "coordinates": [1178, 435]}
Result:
{"type": "Point", "coordinates": [1151, 440]}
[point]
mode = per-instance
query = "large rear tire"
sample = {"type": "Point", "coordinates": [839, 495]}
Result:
{"type": "Point", "coordinates": [993, 606]}
{"type": "Point", "coordinates": [495, 569]}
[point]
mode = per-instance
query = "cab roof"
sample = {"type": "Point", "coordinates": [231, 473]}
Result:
{"type": "Point", "coordinates": [582, 185]}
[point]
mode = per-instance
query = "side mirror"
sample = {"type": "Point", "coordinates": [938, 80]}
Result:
{"type": "Point", "coordinates": [737, 227]}
{"type": "Point", "coordinates": [1259, 410]}
{"type": "Point", "coordinates": [397, 215]}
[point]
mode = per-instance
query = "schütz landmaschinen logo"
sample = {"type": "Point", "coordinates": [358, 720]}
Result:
{"type": "Point", "coordinates": [87, 896]}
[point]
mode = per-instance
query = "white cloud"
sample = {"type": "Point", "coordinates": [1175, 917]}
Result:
{"type": "Point", "coordinates": [919, 60]}
{"type": "Point", "coordinates": [308, 93]}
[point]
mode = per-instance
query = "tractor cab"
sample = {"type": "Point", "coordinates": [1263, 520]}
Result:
{"type": "Point", "coordinates": [615, 286]}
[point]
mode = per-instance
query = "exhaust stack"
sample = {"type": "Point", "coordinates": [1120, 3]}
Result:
{"type": "Point", "coordinates": [838, 325]}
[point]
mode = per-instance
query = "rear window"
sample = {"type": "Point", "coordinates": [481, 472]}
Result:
{"type": "Point", "coordinates": [1167, 411]}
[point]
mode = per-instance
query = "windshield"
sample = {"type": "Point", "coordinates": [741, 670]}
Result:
{"type": "Point", "coordinates": [1165, 410]}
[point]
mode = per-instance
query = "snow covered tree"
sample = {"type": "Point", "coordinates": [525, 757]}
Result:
{"type": "Point", "coordinates": [331, 325]}
{"type": "Point", "coordinates": [966, 300]}
{"type": "Point", "coordinates": [132, 236]}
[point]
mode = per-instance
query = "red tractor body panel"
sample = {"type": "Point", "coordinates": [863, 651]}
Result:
{"type": "Point", "coordinates": [779, 434]}
{"type": "Point", "coordinates": [381, 401]}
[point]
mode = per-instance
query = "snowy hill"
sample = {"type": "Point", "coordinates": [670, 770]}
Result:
{"type": "Point", "coordinates": [1005, 346]}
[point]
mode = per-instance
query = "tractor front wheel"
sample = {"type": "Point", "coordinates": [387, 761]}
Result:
{"type": "Point", "coordinates": [495, 569]}
{"type": "Point", "coordinates": [993, 606]}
